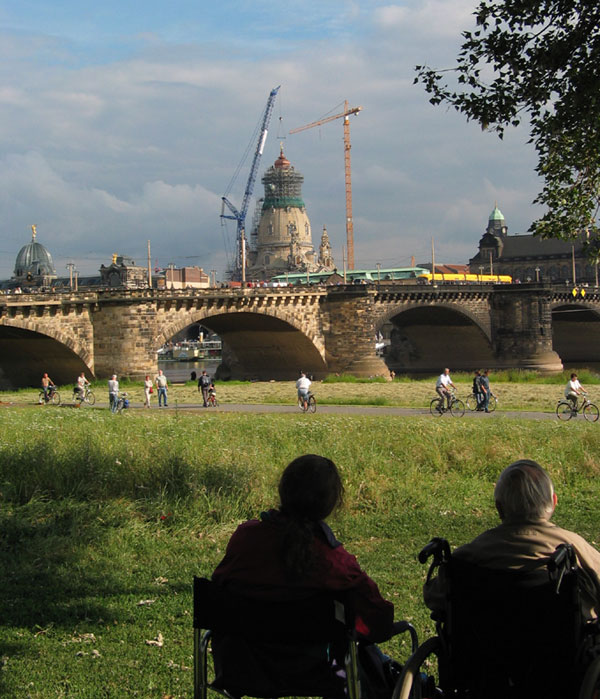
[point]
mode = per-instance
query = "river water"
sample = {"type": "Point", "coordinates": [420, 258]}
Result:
{"type": "Point", "coordinates": [182, 371]}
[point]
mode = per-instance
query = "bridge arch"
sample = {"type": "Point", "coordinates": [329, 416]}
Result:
{"type": "Point", "coordinates": [261, 344]}
{"type": "Point", "coordinates": [576, 333]}
{"type": "Point", "coordinates": [28, 349]}
{"type": "Point", "coordinates": [426, 337]}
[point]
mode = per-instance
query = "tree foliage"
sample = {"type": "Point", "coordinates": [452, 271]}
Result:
{"type": "Point", "coordinates": [537, 60]}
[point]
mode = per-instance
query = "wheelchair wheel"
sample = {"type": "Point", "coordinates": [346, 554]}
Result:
{"type": "Point", "coordinates": [591, 412]}
{"type": "Point", "coordinates": [564, 411]}
{"type": "Point", "coordinates": [457, 408]}
{"type": "Point", "coordinates": [90, 398]}
{"type": "Point", "coordinates": [591, 681]}
{"type": "Point", "coordinates": [312, 404]}
{"type": "Point", "coordinates": [435, 408]}
{"type": "Point", "coordinates": [409, 682]}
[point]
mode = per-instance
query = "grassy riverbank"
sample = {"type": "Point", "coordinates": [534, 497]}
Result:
{"type": "Point", "coordinates": [515, 391]}
{"type": "Point", "coordinates": [104, 521]}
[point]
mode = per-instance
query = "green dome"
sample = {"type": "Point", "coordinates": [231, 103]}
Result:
{"type": "Point", "coordinates": [496, 215]}
{"type": "Point", "coordinates": [34, 260]}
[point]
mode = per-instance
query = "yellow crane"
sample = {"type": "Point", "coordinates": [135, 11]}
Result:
{"type": "Point", "coordinates": [349, 222]}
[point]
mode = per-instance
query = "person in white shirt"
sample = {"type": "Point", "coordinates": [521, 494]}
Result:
{"type": "Point", "coordinates": [113, 393]}
{"type": "Point", "coordinates": [303, 386]}
{"type": "Point", "coordinates": [574, 389]}
{"type": "Point", "coordinates": [441, 386]}
{"type": "Point", "coordinates": [161, 384]}
{"type": "Point", "coordinates": [80, 385]}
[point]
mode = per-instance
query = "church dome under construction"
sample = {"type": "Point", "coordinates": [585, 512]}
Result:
{"type": "Point", "coordinates": [282, 240]}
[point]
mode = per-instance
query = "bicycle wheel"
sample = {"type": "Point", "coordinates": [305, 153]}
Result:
{"type": "Point", "coordinates": [90, 398]}
{"type": "Point", "coordinates": [591, 412]}
{"type": "Point", "coordinates": [492, 404]}
{"type": "Point", "coordinates": [564, 411]}
{"type": "Point", "coordinates": [457, 408]}
{"type": "Point", "coordinates": [55, 398]}
{"type": "Point", "coordinates": [435, 407]}
{"type": "Point", "coordinates": [471, 403]}
{"type": "Point", "coordinates": [41, 398]}
{"type": "Point", "coordinates": [312, 404]}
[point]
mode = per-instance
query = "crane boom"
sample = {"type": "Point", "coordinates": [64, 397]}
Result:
{"type": "Point", "coordinates": [239, 215]}
{"type": "Point", "coordinates": [347, 171]}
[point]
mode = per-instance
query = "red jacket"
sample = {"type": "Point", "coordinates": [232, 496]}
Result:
{"type": "Point", "coordinates": [253, 563]}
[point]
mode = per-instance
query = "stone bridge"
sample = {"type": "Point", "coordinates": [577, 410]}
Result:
{"type": "Point", "coordinates": [272, 333]}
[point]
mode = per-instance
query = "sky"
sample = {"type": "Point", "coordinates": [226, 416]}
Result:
{"type": "Point", "coordinates": [126, 123]}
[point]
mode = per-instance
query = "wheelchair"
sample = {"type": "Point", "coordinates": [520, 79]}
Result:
{"type": "Point", "coordinates": [508, 634]}
{"type": "Point", "coordinates": [259, 648]}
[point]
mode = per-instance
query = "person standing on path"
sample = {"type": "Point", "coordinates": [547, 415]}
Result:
{"type": "Point", "coordinates": [147, 391]}
{"type": "Point", "coordinates": [484, 385]}
{"type": "Point", "coordinates": [204, 384]}
{"type": "Point", "coordinates": [161, 384]}
{"type": "Point", "coordinates": [113, 393]}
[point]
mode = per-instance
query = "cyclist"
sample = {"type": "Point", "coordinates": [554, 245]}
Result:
{"type": "Point", "coordinates": [80, 386]}
{"type": "Point", "coordinates": [212, 393]}
{"type": "Point", "coordinates": [574, 389]}
{"type": "Point", "coordinates": [441, 387]}
{"type": "Point", "coordinates": [46, 383]}
{"type": "Point", "coordinates": [303, 386]}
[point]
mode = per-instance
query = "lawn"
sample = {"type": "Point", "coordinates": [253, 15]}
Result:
{"type": "Point", "coordinates": [515, 391]}
{"type": "Point", "coordinates": [105, 519]}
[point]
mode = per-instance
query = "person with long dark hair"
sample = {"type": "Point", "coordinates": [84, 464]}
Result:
{"type": "Point", "coordinates": [291, 552]}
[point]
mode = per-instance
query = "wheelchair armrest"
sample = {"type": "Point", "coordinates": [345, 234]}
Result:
{"type": "Point", "coordinates": [403, 627]}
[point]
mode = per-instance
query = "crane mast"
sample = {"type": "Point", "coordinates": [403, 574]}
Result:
{"type": "Point", "coordinates": [239, 215]}
{"type": "Point", "coordinates": [347, 171]}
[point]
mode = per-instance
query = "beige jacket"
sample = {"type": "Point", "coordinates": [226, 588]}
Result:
{"type": "Point", "coordinates": [524, 546]}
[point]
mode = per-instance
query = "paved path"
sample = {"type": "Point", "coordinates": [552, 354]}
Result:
{"type": "Point", "coordinates": [343, 410]}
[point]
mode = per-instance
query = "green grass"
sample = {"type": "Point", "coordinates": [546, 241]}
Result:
{"type": "Point", "coordinates": [101, 512]}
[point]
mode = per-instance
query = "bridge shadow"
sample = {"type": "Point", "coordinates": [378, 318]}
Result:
{"type": "Point", "coordinates": [57, 576]}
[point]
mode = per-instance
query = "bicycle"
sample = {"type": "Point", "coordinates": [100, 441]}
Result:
{"type": "Point", "coordinates": [122, 403]}
{"type": "Point", "coordinates": [53, 396]}
{"type": "Point", "coordinates": [565, 410]}
{"type": "Point", "coordinates": [310, 405]}
{"type": "Point", "coordinates": [88, 396]}
{"type": "Point", "coordinates": [472, 404]}
{"type": "Point", "coordinates": [212, 401]}
{"type": "Point", "coordinates": [437, 406]}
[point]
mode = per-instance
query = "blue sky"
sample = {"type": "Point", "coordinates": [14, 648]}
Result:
{"type": "Point", "coordinates": [124, 122]}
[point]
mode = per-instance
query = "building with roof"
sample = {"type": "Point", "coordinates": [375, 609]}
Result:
{"type": "Point", "coordinates": [529, 257]}
{"type": "Point", "coordinates": [281, 238]}
{"type": "Point", "coordinates": [33, 266]}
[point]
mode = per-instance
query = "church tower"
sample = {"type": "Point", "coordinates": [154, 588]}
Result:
{"type": "Point", "coordinates": [282, 242]}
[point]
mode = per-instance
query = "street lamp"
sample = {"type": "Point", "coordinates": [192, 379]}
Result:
{"type": "Point", "coordinates": [537, 274]}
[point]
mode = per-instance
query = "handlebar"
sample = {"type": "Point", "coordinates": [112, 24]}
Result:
{"type": "Point", "coordinates": [562, 560]}
{"type": "Point", "coordinates": [438, 548]}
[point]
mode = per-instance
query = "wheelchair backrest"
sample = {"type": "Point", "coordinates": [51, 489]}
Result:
{"type": "Point", "coordinates": [270, 648]}
{"type": "Point", "coordinates": [510, 634]}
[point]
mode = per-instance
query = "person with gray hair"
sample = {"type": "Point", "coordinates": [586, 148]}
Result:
{"type": "Point", "coordinates": [524, 540]}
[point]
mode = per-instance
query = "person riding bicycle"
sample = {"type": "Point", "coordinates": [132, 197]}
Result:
{"type": "Point", "coordinates": [574, 389]}
{"type": "Point", "coordinates": [80, 385]}
{"type": "Point", "coordinates": [46, 383]}
{"type": "Point", "coordinates": [441, 387]}
{"type": "Point", "coordinates": [303, 386]}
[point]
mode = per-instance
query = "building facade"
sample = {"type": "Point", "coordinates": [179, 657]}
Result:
{"type": "Point", "coordinates": [531, 258]}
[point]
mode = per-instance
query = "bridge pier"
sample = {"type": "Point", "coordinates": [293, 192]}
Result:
{"type": "Point", "coordinates": [522, 329]}
{"type": "Point", "coordinates": [125, 338]}
{"type": "Point", "coordinates": [349, 329]}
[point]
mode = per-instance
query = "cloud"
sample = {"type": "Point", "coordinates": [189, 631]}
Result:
{"type": "Point", "coordinates": [105, 154]}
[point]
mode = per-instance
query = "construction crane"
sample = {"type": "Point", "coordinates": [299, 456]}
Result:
{"type": "Point", "coordinates": [348, 176]}
{"type": "Point", "coordinates": [239, 266]}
